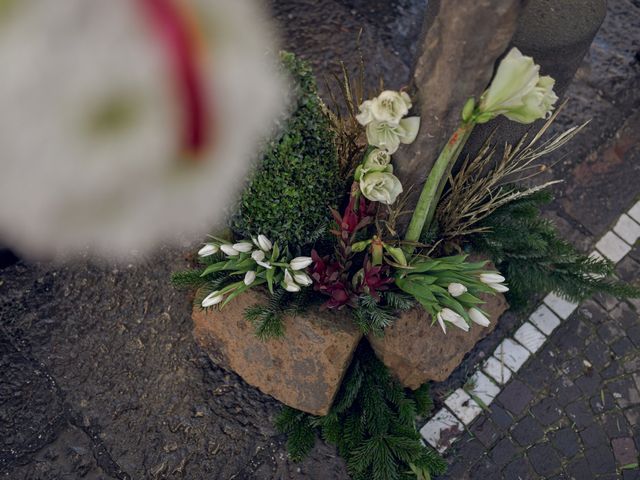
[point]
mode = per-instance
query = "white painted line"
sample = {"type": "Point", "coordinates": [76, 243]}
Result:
{"type": "Point", "coordinates": [544, 319]}
{"type": "Point", "coordinates": [463, 406]}
{"type": "Point", "coordinates": [497, 370]}
{"type": "Point", "coordinates": [530, 337]}
{"type": "Point", "coordinates": [442, 430]}
{"type": "Point", "coordinates": [563, 308]}
{"type": "Point", "coordinates": [613, 247]}
{"type": "Point", "coordinates": [627, 229]}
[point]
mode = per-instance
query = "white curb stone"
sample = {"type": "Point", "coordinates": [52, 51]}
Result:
{"type": "Point", "coordinates": [483, 388]}
{"type": "Point", "coordinates": [530, 337]}
{"type": "Point", "coordinates": [563, 308]}
{"type": "Point", "coordinates": [627, 229]}
{"type": "Point", "coordinates": [497, 370]}
{"type": "Point", "coordinates": [544, 319]}
{"type": "Point", "coordinates": [613, 247]}
{"type": "Point", "coordinates": [512, 354]}
{"type": "Point", "coordinates": [442, 430]}
{"type": "Point", "coordinates": [634, 212]}
{"type": "Point", "coordinates": [463, 406]}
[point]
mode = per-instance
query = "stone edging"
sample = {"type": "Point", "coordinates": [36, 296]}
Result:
{"type": "Point", "coordinates": [464, 405]}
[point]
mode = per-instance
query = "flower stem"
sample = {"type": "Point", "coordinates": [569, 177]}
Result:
{"type": "Point", "coordinates": [433, 187]}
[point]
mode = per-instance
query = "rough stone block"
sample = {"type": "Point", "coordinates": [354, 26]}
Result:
{"type": "Point", "coordinates": [415, 351]}
{"type": "Point", "coordinates": [627, 229]}
{"type": "Point", "coordinates": [544, 319]}
{"type": "Point", "coordinates": [559, 305]}
{"type": "Point", "coordinates": [463, 406]}
{"type": "Point", "coordinates": [303, 370]}
{"type": "Point", "coordinates": [530, 337]}
{"type": "Point", "coordinates": [512, 354]}
{"type": "Point", "coordinates": [613, 247]}
{"type": "Point", "coordinates": [442, 430]}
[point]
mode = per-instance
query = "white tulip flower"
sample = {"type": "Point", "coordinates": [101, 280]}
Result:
{"type": "Point", "coordinates": [300, 263]}
{"type": "Point", "coordinates": [289, 284]}
{"type": "Point", "coordinates": [478, 317]}
{"type": "Point", "coordinates": [389, 136]}
{"type": "Point", "coordinates": [229, 250]}
{"type": "Point", "coordinates": [302, 279]}
{"type": "Point", "coordinates": [491, 278]}
{"type": "Point", "coordinates": [380, 187]}
{"type": "Point", "coordinates": [212, 299]}
{"type": "Point", "coordinates": [517, 91]}
{"type": "Point", "coordinates": [499, 287]}
{"type": "Point", "coordinates": [208, 249]}
{"type": "Point", "coordinates": [451, 316]}
{"type": "Point", "coordinates": [249, 277]}
{"type": "Point", "coordinates": [264, 243]}
{"type": "Point", "coordinates": [456, 289]}
{"type": "Point", "coordinates": [244, 247]}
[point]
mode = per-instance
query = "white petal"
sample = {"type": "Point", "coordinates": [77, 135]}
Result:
{"type": "Point", "coordinates": [441, 322]}
{"type": "Point", "coordinates": [478, 317]}
{"type": "Point", "coordinates": [264, 243]}
{"type": "Point", "coordinates": [491, 278]}
{"type": "Point", "coordinates": [300, 263]}
{"type": "Point", "coordinates": [266, 265]}
{"type": "Point", "coordinates": [249, 277]}
{"type": "Point", "coordinates": [456, 289]}
{"type": "Point", "coordinates": [208, 249]}
{"type": "Point", "coordinates": [302, 279]}
{"type": "Point", "coordinates": [244, 247]}
{"type": "Point", "coordinates": [212, 299]}
{"type": "Point", "coordinates": [499, 287]}
{"type": "Point", "coordinates": [410, 127]}
{"type": "Point", "coordinates": [257, 255]}
{"type": "Point", "coordinates": [229, 250]}
{"type": "Point", "coordinates": [291, 287]}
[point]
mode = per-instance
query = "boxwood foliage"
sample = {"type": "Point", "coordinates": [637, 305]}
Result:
{"type": "Point", "coordinates": [289, 194]}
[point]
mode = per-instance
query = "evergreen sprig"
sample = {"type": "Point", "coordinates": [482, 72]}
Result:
{"type": "Point", "coordinates": [372, 423]}
{"type": "Point", "coordinates": [528, 250]}
{"type": "Point", "coordinates": [373, 316]}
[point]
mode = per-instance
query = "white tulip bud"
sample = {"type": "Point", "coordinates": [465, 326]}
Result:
{"type": "Point", "coordinates": [208, 249]}
{"type": "Point", "coordinates": [499, 287]}
{"type": "Point", "coordinates": [264, 243]}
{"type": "Point", "coordinates": [491, 278]}
{"type": "Point", "coordinates": [302, 278]}
{"type": "Point", "coordinates": [451, 316]}
{"type": "Point", "coordinates": [249, 277]}
{"type": "Point", "coordinates": [300, 263]}
{"type": "Point", "coordinates": [244, 247]}
{"type": "Point", "coordinates": [257, 255]}
{"type": "Point", "coordinates": [456, 289]}
{"type": "Point", "coordinates": [212, 299]}
{"type": "Point", "coordinates": [229, 250]}
{"type": "Point", "coordinates": [478, 317]}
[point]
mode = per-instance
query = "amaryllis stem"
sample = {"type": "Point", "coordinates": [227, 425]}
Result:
{"type": "Point", "coordinates": [433, 187]}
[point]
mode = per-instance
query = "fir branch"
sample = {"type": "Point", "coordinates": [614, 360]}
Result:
{"type": "Point", "coordinates": [188, 279]}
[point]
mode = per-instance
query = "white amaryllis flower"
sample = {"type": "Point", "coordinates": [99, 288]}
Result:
{"type": "Point", "coordinates": [380, 187]}
{"type": "Point", "coordinates": [302, 279]}
{"type": "Point", "coordinates": [499, 287]}
{"type": "Point", "coordinates": [263, 243]}
{"type": "Point", "coordinates": [208, 249]}
{"type": "Point", "coordinates": [212, 299]}
{"type": "Point", "coordinates": [377, 161]}
{"type": "Point", "coordinates": [389, 136]}
{"type": "Point", "coordinates": [456, 289]}
{"type": "Point", "coordinates": [451, 316]}
{"type": "Point", "coordinates": [300, 263]}
{"type": "Point", "coordinates": [229, 250]}
{"type": "Point", "coordinates": [390, 106]}
{"type": "Point", "coordinates": [478, 317]}
{"type": "Point", "coordinates": [249, 277]}
{"type": "Point", "coordinates": [289, 283]}
{"type": "Point", "coordinates": [244, 247]}
{"type": "Point", "coordinates": [491, 278]}
{"type": "Point", "coordinates": [517, 91]}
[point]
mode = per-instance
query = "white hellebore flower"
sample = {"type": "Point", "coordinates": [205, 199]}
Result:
{"type": "Point", "coordinates": [478, 317]}
{"type": "Point", "coordinates": [302, 278]}
{"type": "Point", "coordinates": [380, 187]}
{"type": "Point", "coordinates": [244, 247]}
{"type": "Point", "coordinates": [377, 161]}
{"type": "Point", "coordinates": [390, 106]}
{"type": "Point", "coordinates": [208, 249]}
{"type": "Point", "coordinates": [518, 91]}
{"type": "Point", "coordinates": [212, 299]}
{"type": "Point", "coordinates": [300, 263]}
{"type": "Point", "coordinates": [456, 289]}
{"type": "Point", "coordinates": [229, 250]}
{"type": "Point", "coordinates": [451, 316]}
{"type": "Point", "coordinates": [249, 277]}
{"type": "Point", "coordinates": [499, 287]}
{"type": "Point", "coordinates": [389, 136]}
{"type": "Point", "coordinates": [264, 243]}
{"type": "Point", "coordinates": [289, 284]}
{"type": "Point", "coordinates": [491, 278]}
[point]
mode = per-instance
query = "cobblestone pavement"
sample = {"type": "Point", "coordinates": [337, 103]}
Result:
{"type": "Point", "coordinates": [100, 378]}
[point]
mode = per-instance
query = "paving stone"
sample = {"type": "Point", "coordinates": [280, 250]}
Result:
{"type": "Point", "coordinates": [544, 319]}
{"type": "Point", "coordinates": [627, 229]}
{"type": "Point", "coordinates": [538, 375]}
{"type": "Point", "coordinates": [613, 370]}
{"type": "Point", "coordinates": [503, 452]}
{"type": "Point", "coordinates": [497, 370]}
{"type": "Point", "coordinates": [589, 383]}
{"type": "Point", "coordinates": [562, 307]}
{"type": "Point", "coordinates": [616, 425]}
{"type": "Point", "coordinates": [609, 332]}
{"type": "Point", "coordinates": [634, 212]}
{"type": "Point", "coordinates": [632, 365]}
{"type": "Point", "coordinates": [485, 469]}
{"type": "Point", "coordinates": [512, 354]}
{"type": "Point", "coordinates": [629, 474]}
{"type": "Point", "coordinates": [602, 402]}
{"type": "Point", "coordinates": [544, 459]}
{"type": "Point", "coordinates": [622, 347]}
{"type": "Point", "coordinates": [527, 431]}
{"type": "Point", "coordinates": [547, 411]}
{"type": "Point", "coordinates": [516, 397]}
{"type": "Point", "coordinates": [530, 337]}
{"type": "Point", "coordinates": [442, 430]}
{"type": "Point", "coordinates": [608, 302]}
{"type": "Point", "coordinates": [566, 441]}
{"type": "Point", "coordinates": [567, 392]}
{"type": "Point", "coordinates": [463, 406]}
{"type": "Point", "coordinates": [483, 388]}
{"type": "Point", "coordinates": [613, 247]}
{"type": "Point", "coordinates": [624, 391]}
{"type": "Point", "coordinates": [501, 417]}
{"type": "Point", "coordinates": [518, 469]}
{"type": "Point", "coordinates": [633, 416]}
{"type": "Point", "coordinates": [593, 435]}
{"type": "Point", "coordinates": [600, 460]}
{"type": "Point", "coordinates": [627, 271]}
{"type": "Point", "coordinates": [594, 312]}
{"type": "Point", "coordinates": [573, 368]}
{"type": "Point", "coordinates": [579, 469]}
{"type": "Point", "coordinates": [598, 354]}
{"type": "Point", "coordinates": [485, 431]}
{"type": "Point", "coordinates": [580, 414]}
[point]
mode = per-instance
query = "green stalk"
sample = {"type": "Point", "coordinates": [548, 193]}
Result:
{"type": "Point", "coordinates": [433, 187]}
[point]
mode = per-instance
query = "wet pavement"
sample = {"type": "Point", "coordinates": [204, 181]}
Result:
{"type": "Point", "coordinates": [100, 376]}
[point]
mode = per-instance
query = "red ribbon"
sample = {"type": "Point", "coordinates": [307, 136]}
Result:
{"type": "Point", "coordinates": [180, 42]}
